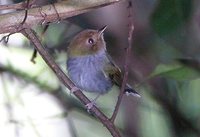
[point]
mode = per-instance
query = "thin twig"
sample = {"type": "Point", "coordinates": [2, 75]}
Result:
{"type": "Point", "coordinates": [31, 35]}
{"type": "Point", "coordinates": [34, 55]}
{"type": "Point", "coordinates": [58, 16]}
{"type": "Point", "coordinates": [127, 62]}
{"type": "Point", "coordinates": [6, 38]}
{"type": "Point", "coordinates": [26, 12]}
{"type": "Point", "coordinates": [18, 27]}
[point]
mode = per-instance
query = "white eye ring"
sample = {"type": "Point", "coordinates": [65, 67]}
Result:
{"type": "Point", "coordinates": [90, 41]}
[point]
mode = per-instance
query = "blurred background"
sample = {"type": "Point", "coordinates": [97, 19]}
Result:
{"type": "Point", "coordinates": [164, 68]}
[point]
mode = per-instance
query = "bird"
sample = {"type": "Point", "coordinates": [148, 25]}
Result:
{"type": "Point", "coordinates": [90, 67]}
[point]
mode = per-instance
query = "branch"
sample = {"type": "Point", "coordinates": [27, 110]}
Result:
{"type": "Point", "coordinates": [17, 6]}
{"type": "Point", "coordinates": [17, 27]}
{"type": "Point", "coordinates": [127, 62]}
{"type": "Point", "coordinates": [49, 13]}
{"type": "Point", "coordinates": [31, 35]}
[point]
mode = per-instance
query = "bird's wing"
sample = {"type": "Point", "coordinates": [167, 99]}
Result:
{"type": "Point", "coordinates": [112, 71]}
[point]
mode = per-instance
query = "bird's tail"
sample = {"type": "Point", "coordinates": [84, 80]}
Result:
{"type": "Point", "coordinates": [130, 91]}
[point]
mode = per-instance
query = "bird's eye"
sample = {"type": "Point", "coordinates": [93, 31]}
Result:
{"type": "Point", "coordinates": [90, 41]}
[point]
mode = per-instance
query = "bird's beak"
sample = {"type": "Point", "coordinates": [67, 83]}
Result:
{"type": "Point", "coordinates": [100, 31]}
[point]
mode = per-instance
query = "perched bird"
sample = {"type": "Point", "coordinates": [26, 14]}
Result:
{"type": "Point", "coordinates": [90, 67]}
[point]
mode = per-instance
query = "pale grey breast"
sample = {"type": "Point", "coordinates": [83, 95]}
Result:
{"type": "Point", "coordinates": [86, 72]}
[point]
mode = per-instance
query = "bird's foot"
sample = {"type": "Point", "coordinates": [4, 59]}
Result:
{"type": "Point", "coordinates": [74, 89]}
{"type": "Point", "coordinates": [90, 105]}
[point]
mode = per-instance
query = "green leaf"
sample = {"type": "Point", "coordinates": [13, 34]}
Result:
{"type": "Point", "coordinates": [175, 71]}
{"type": "Point", "coordinates": [170, 14]}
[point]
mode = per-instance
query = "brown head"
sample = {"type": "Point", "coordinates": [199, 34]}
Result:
{"type": "Point", "coordinates": [87, 42]}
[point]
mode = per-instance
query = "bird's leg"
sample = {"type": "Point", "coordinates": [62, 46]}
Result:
{"type": "Point", "coordinates": [92, 103]}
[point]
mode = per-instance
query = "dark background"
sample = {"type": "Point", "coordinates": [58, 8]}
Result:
{"type": "Point", "coordinates": [164, 69]}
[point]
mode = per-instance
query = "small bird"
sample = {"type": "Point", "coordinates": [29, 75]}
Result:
{"type": "Point", "coordinates": [89, 65]}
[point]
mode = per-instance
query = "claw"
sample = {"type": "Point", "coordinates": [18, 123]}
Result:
{"type": "Point", "coordinates": [43, 14]}
{"type": "Point", "coordinates": [73, 89]}
{"type": "Point", "coordinates": [90, 105]}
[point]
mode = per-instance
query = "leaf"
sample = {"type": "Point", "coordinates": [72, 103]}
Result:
{"type": "Point", "coordinates": [170, 14]}
{"type": "Point", "coordinates": [175, 71]}
{"type": "Point", "coordinates": [190, 62]}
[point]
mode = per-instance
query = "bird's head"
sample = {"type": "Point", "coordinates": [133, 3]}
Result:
{"type": "Point", "coordinates": [87, 42]}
